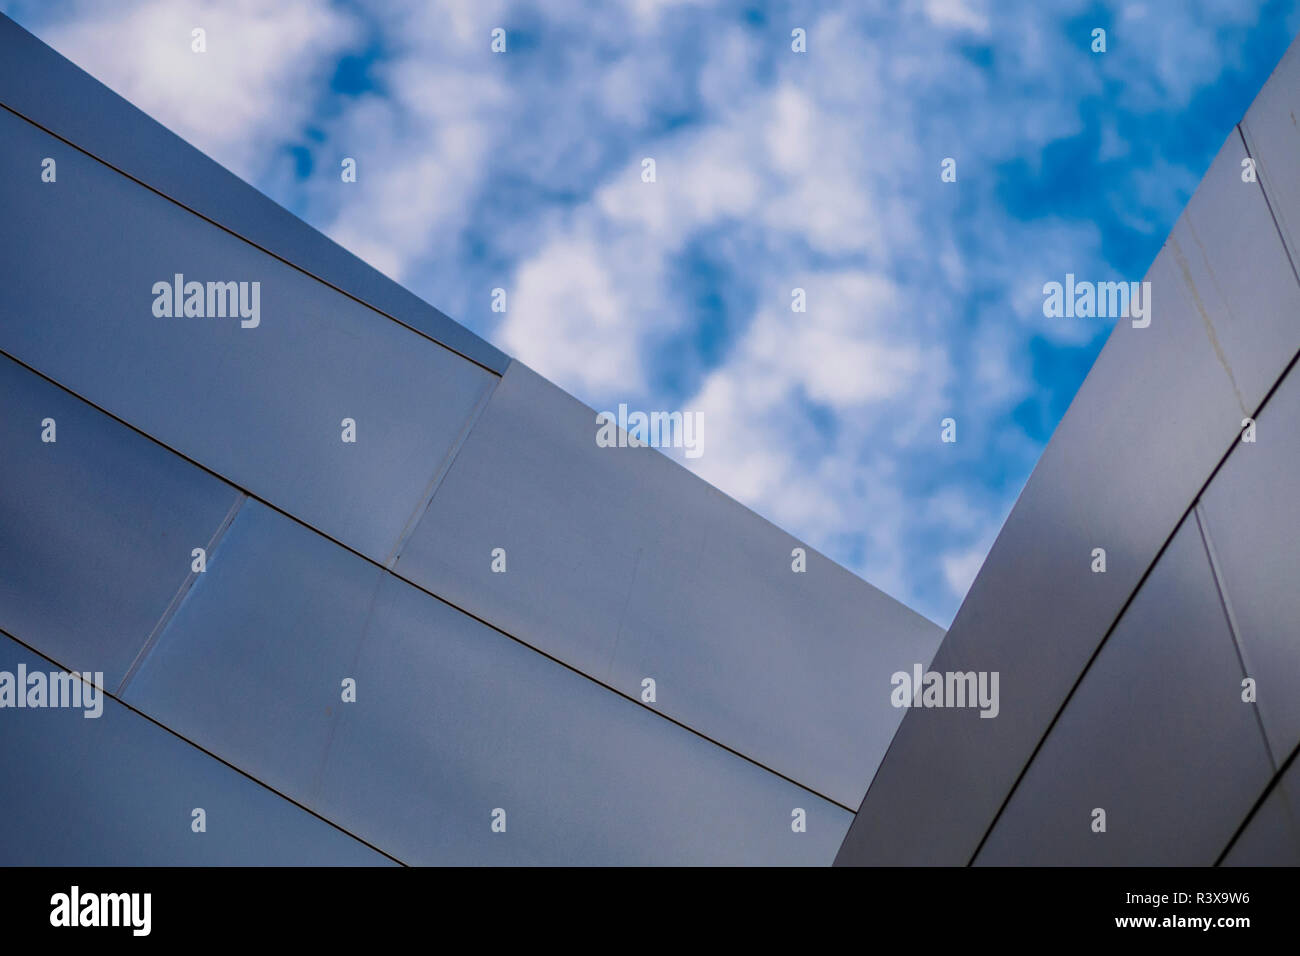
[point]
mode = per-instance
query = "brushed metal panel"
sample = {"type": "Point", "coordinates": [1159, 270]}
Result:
{"type": "Point", "coordinates": [251, 665]}
{"type": "Point", "coordinates": [1270, 131]}
{"type": "Point", "coordinates": [625, 565]}
{"type": "Point", "coordinates": [117, 790]}
{"type": "Point", "coordinates": [263, 406]}
{"type": "Point", "coordinates": [96, 527]}
{"type": "Point", "coordinates": [453, 721]}
{"type": "Point", "coordinates": [40, 84]}
{"type": "Point", "coordinates": [1272, 835]}
{"type": "Point", "coordinates": [1252, 517]}
{"type": "Point", "coordinates": [1156, 735]}
{"type": "Point", "coordinates": [1237, 277]}
{"type": "Point", "coordinates": [1151, 421]}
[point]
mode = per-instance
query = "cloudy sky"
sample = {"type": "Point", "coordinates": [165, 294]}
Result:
{"type": "Point", "coordinates": [775, 170]}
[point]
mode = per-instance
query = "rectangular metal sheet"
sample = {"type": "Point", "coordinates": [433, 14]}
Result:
{"type": "Point", "coordinates": [1153, 418]}
{"type": "Point", "coordinates": [625, 565]}
{"type": "Point", "coordinates": [117, 790]}
{"type": "Point", "coordinates": [1272, 835]}
{"type": "Point", "coordinates": [451, 720]}
{"type": "Point", "coordinates": [42, 85]}
{"type": "Point", "coordinates": [1252, 518]}
{"type": "Point", "coordinates": [251, 664]}
{"type": "Point", "coordinates": [1274, 142]}
{"type": "Point", "coordinates": [97, 527]}
{"type": "Point", "coordinates": [263, 406]}
{"type": "Point", "coordinates": [454, 721]}
{"type": "Point", "coordinates": [1156, 735]}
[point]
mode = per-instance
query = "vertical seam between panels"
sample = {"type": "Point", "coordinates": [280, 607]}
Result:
{"type": "Point", "coordinates": [1207, 542]}
{"type": "Point", "coordinates": [1273, 785]}
{"type": "Point", "coordinates": [439, 474]}
{"type": "Point", "coordinates": [1286, 372]}
{"type": "Point", "coordinates": [199, 747]}
{"type": "Point", "coordinates": [663, 715]}
{"type": "Point", "coordinates": [182, 592]}
{"type": "Point", "coordinates": [1277, 226]}
{"type": "Point", "coordinates": [319, 778]}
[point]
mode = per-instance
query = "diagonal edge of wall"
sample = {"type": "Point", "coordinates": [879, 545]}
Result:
{"type": "Point", "coordinates": [1155, 418]}
{"type": "Point", "coordinates": [39, 84]}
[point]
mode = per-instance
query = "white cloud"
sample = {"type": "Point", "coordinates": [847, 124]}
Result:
{"type": "Point", "coordinates": [246, 92]}
{"type": "Point", "coordinates": [961, 567]}
{"type": "Point", "coordinates": [569, 316]}
{"type": "Point", "coordinates": [957, 14]}
{"type": "Point", "coordinates": [775, 170]}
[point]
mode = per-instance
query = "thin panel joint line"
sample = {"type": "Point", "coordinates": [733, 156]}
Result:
{"type": "Point", "coordinates": [1119, 616]}
{"type": "Point", "coordinates": [1281, 237]}
{"type": "Point", "coordinates": [292, 265]}
{"type": "Point", "coordinates": [1203, 526]}
{"type": "Point", "coordinates": [221, 760]}
{"type": "Point", "coordinates": [179, 597]}
{"type": "Point", "coordinates": [441, 472]}
{"type": "Point", "coordinates": [423, 590]}
{"type": "Point", "coordinates": [1273, 784]}
{"type": "Point", "coordinates": [318, 779]}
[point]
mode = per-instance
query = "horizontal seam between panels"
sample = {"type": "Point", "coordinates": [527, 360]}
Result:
{"type": "Point", "coordinates": [1123, 609]}
{"type": "Point", "coordinates": [470, 614]}
{"type": "Point", "coordinates": [255, 245]}
{"type": "Point", "coordinates": [243, 773]}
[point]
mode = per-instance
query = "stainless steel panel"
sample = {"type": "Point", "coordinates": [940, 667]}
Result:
{"type": "Point", "coordinates": [1274, 142]}
{"type": "Point", "coordinates": [263, 405]}
{"type": "Point", "coordinates": [1252, 517]}
{"type": "Point", "coordinates": [453, 720]}
{"type": "Point", "coordinates": [96, 528]}
{"type": "Point", "coordinates": [1150, 423]}
{"type": "Point", "coordinates": [117, 790]}
{"type": "Point", "coordinates": [42, 85]}
{"type": "Point", "coordinates": [1156, 735]}
{"type": "Point", "coordinates": [791, 669]}
{"type": "Point", "coordinates": [626, 566]}
{"type": "Point", "coordinates": [1272, 835]}
{"type": "Point", "coordinates": [1237, 277]}
{"type": "Point", "coordinates": [250, 667]}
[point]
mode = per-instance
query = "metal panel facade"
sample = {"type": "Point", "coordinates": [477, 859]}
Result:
{"type": "Point", "coordinates": [626, 566]}
{"type": "Point", "coordinates": [41, 85]}
{"type": "Point", "coordinates": [264, 400]}
{"type": "Point", "coordinates": [245, 658]}
{"type": "Point", "coordinates": [1036, 613]}
{"type": "Point", "coordinates": [1252, 518]}
{"type": "Point", "coordinates": [119, 790]}
{"type": "Point", "coordinates": [1271, 837]}
{"type": "Point", "coordinates": [1141, 442]}
{"type": "Point", "coordinates": [1156, 736]}
{"type": "Point", "coordinates": [97, 526]}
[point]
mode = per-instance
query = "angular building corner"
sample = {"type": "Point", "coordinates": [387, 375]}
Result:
{"type": "Point", "coordinates": [1150, 712]}
{"type": "Point", "coordinates": [345, 584]}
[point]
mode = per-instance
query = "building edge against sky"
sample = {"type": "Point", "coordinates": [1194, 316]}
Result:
{"type": "Point", "coordinates": [348, 576]}
{"type": "Point", "coordinates": [1150, 712]}
{"type": "Point", "coordinates": [472, 566]}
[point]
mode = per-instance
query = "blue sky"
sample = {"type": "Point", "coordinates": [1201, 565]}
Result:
{"type": "Point", "coordinates": [775, 170]}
